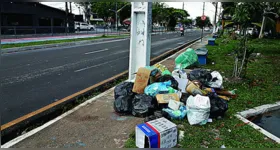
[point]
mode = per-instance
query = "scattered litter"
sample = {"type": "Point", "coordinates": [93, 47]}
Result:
{"type": "Point", "coordinates": [174, 105]}
{"type": "Point", "coordinates": [186, 59]}
{"type": "Point", "coordinates": [194, 90]}
{"type": "Point", "coordinates": [163, 69]}
{"type": "Point", "coordinates": [198, 109]}
{"type": "Point", "coordinates": [223, 146]}
{"type": "Point", "coordinates": [176, 114]}
{"type": "Point", "coordinates": [165, 98]}
{"type": "Point", "coordinates": [141, 80]}
{"type": "Point", "coordinates": [210, 120]}
{"type": "Point", "coordinates": [123, 98]}
{"type": "Point", "coordinates": [229, 130]}
{"type": "Point", "coordinates": [218, 106]}
{"type": "Point", "coordinates": [165, 78]}
{"type": "Point", "coordinates": [181, 135]}
{"type": "Point", "coordinates": [158, 88]}
{"type": "Point", "coordinates": [142, 105]}
{"type": "Point", "coordinates": [159, 133]}
{"type": "Point", "coordinates": [179, 74]}
{"type": "Point", "coordinates": [216, 81]}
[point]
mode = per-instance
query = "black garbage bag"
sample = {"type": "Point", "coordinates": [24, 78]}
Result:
{"type": "Point", "coordinates": [201, 75]}
{"type": "Point", "coordinates": [219, 106]}
{"type": "Point", "coordinates": [123, 98]}
{"type": "Point", "coordinates": [123, 89]}
{"type": "Point", "coordinates": [174, 83]}
{"type": "Point", "coordinates": [184, 98]}
{"type": "Point", "coordinates": [123, 104]}
{"type": "Point", "coordinates": [142, 105]}
{"type": "Point", "coordinates": [156, 115]}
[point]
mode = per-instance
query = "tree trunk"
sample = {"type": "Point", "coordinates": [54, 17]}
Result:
{"type": "Point", "coordinates": [262, 27]}
{"type": "Point", "coordinates": [244, 57]}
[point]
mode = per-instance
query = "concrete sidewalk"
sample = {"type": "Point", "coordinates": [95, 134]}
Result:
{"type": "Point", "coordinates": [92, 124]}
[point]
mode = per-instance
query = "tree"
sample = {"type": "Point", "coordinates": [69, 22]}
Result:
{"type": "Point", "coordinates": [200, 23]}
{"type": "Point", "coordinates": [86, 9]}
{"type": "Point", "coordinates": [243, 15]}
{"type": "Point", "coordinates": [270, 12]}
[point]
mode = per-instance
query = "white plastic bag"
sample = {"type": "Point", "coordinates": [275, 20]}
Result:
{"type": "Point", "coordinates": [198, 108]}
{"type": "Point", "coordinates": [217, 80]}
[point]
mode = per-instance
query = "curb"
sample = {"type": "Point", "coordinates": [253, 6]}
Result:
{"type": "Point", "coordinates": [256, 111]}
{"type": "Point", "coordinates": [41, 116]}
{"type": "Point", "coordinates": [36, 47]}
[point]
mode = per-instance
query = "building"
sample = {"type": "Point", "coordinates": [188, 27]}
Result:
{"type": "Point", "coordinates": [33, 18]}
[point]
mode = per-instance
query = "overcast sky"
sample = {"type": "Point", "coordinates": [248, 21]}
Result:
{"type": "Point", "coordinates": [194, 8]}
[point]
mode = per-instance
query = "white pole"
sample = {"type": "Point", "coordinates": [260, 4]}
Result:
{"type": "Point", "coordinates": [140, 39]}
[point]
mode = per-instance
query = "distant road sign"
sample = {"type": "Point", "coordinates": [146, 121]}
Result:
{"type": "Point", "coordinates": [203, 17]}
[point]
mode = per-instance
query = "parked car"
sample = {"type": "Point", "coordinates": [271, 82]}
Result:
{"type": "Point", "coordinates": [79, 26]}
{"type": "Point", "coordinates": [206, 29]}
{"type": "Point", "coordinates": [248, 31]}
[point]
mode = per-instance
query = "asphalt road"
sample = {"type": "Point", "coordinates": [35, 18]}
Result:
{"type": "Point", "coordinates": [33, 79]}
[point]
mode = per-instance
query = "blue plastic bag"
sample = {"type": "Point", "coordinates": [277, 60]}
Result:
{"type": "Point", "coordinates": [158, 88]}
{"type": "Point", "coordinates": [177, 114]}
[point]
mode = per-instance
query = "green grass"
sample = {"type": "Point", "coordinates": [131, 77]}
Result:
{"type": "Point", "coordinates": [4, 46]}
{"type": "Point", "coordinates": [264, 73]}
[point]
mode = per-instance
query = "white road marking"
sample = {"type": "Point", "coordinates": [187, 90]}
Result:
{"type": "Point", "coordinates": [86, 68]}
{"type": "Point", "coordinates": [102, 50]}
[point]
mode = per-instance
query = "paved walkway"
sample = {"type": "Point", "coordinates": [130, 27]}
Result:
{"type": "Point", "coordinates": [94, 125]}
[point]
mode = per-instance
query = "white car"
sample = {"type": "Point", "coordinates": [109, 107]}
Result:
{"type": "Point", "coordinates": [248, 31]}
{"type": "Point", "coordinates": [206, 29]}
{"type": "Point", "coordinates": [84, 26]}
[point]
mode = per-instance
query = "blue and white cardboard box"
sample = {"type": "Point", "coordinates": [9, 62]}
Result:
{"type": "Point", "coordinates": [158, 133]}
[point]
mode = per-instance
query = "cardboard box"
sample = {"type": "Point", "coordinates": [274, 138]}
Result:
{"type": "Point", "coordinates": [141, 80]}
{"type": "Point", "coordinates": [159, 133]}
{"type": "Point", "coordinates": [164, 98]}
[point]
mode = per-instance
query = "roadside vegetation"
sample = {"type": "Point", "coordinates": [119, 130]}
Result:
{"type": "Point", "coordinates": [4, 46]}
{"type": "Point", "coordinates": [260, 86]}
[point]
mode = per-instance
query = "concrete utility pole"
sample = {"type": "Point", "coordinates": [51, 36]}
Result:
{"type": "Point", "coordinates": [116, 16]}
{"type": "Point", "coordinates": [66, 19]}
{"type": "Point", "coordinates": [140, 39]}
{"type": "Point", "coordinates": [70, 7]}
{"type": "Point", "coordinates": [215, 21]}
{"type": "Point", "coordinates": [202, 21]}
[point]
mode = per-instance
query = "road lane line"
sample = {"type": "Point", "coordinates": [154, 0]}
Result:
{"type": "Point", "coordinates": [102, 50]}
{"type": "Point", "coordinates": [86, 68]}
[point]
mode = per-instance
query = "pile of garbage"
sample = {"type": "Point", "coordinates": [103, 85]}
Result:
{"type": "Point", "coordinates": [196, 95]}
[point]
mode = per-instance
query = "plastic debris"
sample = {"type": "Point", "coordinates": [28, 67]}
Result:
{"type": "Point", "coordinates": [181, 135]}
{"type": "Point", "coordinates": [179, 74]}
{"type": "Point", "coordinates": [223, 146]}
{"type": "Point", "coordinates": [216, 81]}
{"type": "Point", "coordinates": [163, 69]}
{"type": "Point", "coordinates": [176, 114]}
{"type": "Point", "coordinates": [159, 88]}
{"type": "Point", "coordinates": [142, 105]}
{"type": "Point", "coordinates": [186, 59]}
{"type": "Point", "coordinates": [123, 98]}
{"type": "Point", "coordinates": [165, 78]}
{"type": "Point", "coordinates": [174, 105]}
{"type": "Point", "coordinates": [218, 106]}
{"type": "Point", "coordinates": [202, 75]}
{"type": "Point", "coordinates": [198, 109]}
